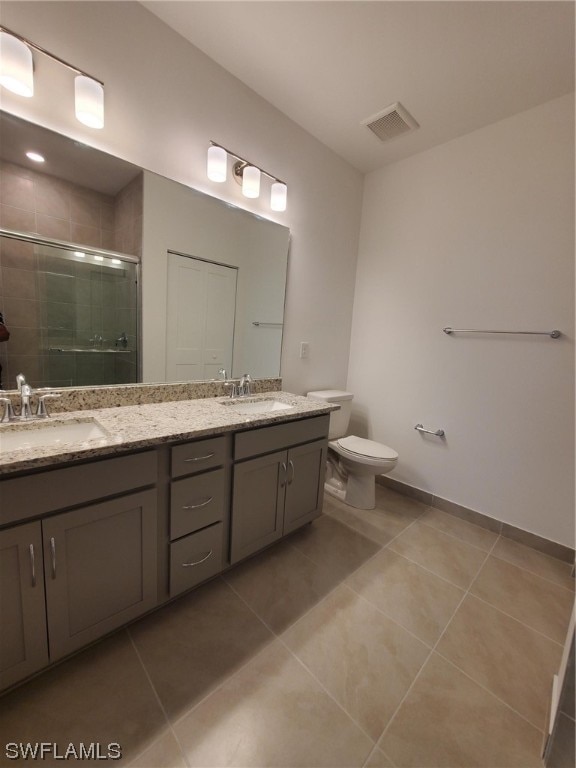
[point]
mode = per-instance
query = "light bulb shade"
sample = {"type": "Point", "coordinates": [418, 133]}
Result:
{"type": "Point", "coordinates": [278, 195]}
{"type": "Point", "coordinates": [217, 164]}
{"type": "Point", "coordinates": [16, 65]}
{"type": "Point", "coordinates": [89, 101]}
{"type": "Point", "coordinates": [251, 181]}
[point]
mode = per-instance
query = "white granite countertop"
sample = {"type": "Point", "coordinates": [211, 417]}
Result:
{"type": "Point", "coordinates": [135, 427]}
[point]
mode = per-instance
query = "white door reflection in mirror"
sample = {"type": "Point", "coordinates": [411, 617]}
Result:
{"type": "Point", "coordinates": [201, 305]}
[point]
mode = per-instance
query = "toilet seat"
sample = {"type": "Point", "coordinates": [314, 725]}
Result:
{"type": "Point", "coordinates": [360, 447]}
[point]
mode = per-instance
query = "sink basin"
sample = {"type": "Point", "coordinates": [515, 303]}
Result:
{"type": "Point", "coordinates": [49, 434]}
{"type": "Point", "coordinates": [258, 406]}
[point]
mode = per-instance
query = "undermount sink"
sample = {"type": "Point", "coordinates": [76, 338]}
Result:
{"type": "Point", "coordinates": [258, 406]}
{"type": "Point", "coordinates": [49, 434]}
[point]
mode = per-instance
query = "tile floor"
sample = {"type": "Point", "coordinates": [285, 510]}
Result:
{"type": "Point", "coordinates": [398, 637]}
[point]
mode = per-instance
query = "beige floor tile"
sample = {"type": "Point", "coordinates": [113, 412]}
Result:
{"type": "Point", "coordinates": [412, 596]}
{"type": "Point", "coordinates": [535, 562]}
{"type": "Point", "coordinates": [329, 543]}
{"type": "Point", "coordinates": [365, 660]}
{"type": "Point", "coordinates": [538, 603]}
{"type": "Point", "coordinates": [281, 584]}
{"type": "Point", "coordinates": [444, 555]}
{"type": "Point", "coordinates": [164, 753]}
{"type": "Point", "coordinates": [514, 662]}
{"type": "Point", "coordinates": [448, 721]}
{"type": "Point", "coordinates": [468, 532]}
{"type": "Point", "coordinates": [101, 695]}
{"type": "Point", "coordinates": [272, 713]}
{"type": "Point", "coordinates": [380, 525]}
{"type": "Point", "coordinates": [393, 501]}
{"type": "Point", "coordinates": [193, 644]}
{"type": "Point", "coordinates": [379, 760]}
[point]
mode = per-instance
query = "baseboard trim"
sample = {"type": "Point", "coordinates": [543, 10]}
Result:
{"type": "Point", "coordinates": [532, 540]}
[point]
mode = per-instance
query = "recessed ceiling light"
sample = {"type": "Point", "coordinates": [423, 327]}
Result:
{"type": "Point", "coordinates": [35, 156]}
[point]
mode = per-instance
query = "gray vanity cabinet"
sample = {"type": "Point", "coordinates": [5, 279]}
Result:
{"type": "Point", "coordinates": [100, 569]}
{"type": "Point", "coordinates": [276, 493]}
{"type": "Point", "coordinates": [23, 641]}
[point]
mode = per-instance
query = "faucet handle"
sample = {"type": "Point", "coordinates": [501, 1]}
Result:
{"type": "Point", "coordinates": [42, 412]}
{"type": "Point", "coordinates": [233, 388]}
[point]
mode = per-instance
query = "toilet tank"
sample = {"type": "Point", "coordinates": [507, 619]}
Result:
{"type": "Point", "coordinates": [339, 420]}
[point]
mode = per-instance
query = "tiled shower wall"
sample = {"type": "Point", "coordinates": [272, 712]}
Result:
{"type": "Point", "coordinates": [42, 306]}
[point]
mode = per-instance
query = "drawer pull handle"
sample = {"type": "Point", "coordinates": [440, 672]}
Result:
{"type": "Point", "coordinates": [200, 458]}
{"type": "Point", "coordinates": [203, 503]}
{"type": "Point", "coordinates": [197, 562]}
{"type": "Point", "coordinates": [283, 481]}
{"type": "Point", "coordinates": [291, 465]}
{"type": "Point", "coordinates": [53, 555]}
{"type": "Point", "coordinates": [33, 565]}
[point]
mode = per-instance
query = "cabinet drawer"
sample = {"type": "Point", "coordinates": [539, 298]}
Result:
{"type": "Point", "coordinates": [196, 502]}
{"type": "Point", "coordinates": [38, 494]}
{"type": "Point", "coordinates": [198, 455]}
{"type": "Point", "coordinates": [195, 558]}
{"type": "Point", "coordinates": [279, 436]}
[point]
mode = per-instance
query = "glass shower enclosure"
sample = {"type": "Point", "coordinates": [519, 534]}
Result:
{"type": "Point", "coordinates": [72, 314]}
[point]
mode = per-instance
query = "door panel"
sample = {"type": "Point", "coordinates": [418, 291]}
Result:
{"type": "Point", "coordinates": [23, 643]}
{"type": "Point", "coordinates": [305, 487]}
{"type": "Point", "coordinates": [258, 503]}
{"type": "Point", "coordinates": [100, 566]}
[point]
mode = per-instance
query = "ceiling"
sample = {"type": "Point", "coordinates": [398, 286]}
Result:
{"type": "Point", "coordinates": [455, 66]}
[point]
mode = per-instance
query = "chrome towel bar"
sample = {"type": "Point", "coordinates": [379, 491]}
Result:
{"type": "Point", "coordinates": [553, 334]}
{"type": "Point", "coordinates": [436, 433]}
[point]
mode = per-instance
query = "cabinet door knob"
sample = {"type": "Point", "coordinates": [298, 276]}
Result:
{"type": "Point", "coordinates": [33, 565]}
{"type": "Point", "coordinates": [202, 503]}
{"type": "Point", "coordinates": [197, 562]}
{"type": "Point", "coordinates": [291, 465]}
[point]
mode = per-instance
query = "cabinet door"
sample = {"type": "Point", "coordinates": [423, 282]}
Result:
{"type": "Point", "coordinates": [23, 641]}
{"type": "Point", "coordinates": [100, 568]}
{"type": "Point", "coordinates": [305, 484]}
{"type": "Point", "coordinates": [257, 504]}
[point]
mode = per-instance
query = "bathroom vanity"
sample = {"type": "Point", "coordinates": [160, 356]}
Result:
{"type": "Point", "coordinates": [94, 535]}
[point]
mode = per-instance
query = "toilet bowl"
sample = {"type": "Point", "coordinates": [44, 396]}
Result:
{"type": "Point", "coordinates": [353, 462]}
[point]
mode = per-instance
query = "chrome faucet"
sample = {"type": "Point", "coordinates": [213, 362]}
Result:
{"type": "Point", "coordinates": [244, 386]}
{"type": "Point", "coordinates": [122, 340]}
{"type": "Point", "coordinates": [25, 394]}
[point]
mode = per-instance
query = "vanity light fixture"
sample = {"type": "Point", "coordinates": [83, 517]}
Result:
{"type": "Point", "coordinates": [245, 173]}
{"type": "Point", "coordinates": [17, 75]}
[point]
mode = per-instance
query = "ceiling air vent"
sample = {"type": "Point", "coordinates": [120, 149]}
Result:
{"type": "Point", "coordinates": [391, 122]}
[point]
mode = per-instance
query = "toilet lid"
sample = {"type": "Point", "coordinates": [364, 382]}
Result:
{"type": "Point", "coordinates": [367, 448]}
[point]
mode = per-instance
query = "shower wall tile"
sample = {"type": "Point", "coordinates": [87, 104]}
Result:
{"type": "Point", "coordinates": [52, 197]}
{"type": "Point", "coordinates": [85, 210]}
{"type": "Point", "coordinates": [20, 313]}
{"type": "Point", "coordinates": [17, 254]}
{"type": "Point", "coordinates": [17, 190]}
{"type": "Point", "coordinates": [18, 283]}
{"type": "Point", "coordinates": [50, 226]}
{"type": "Point", "coordinates": [16, 218]}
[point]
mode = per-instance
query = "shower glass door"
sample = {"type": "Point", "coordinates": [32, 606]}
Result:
{"type": "Point", "coordinates": [72, 316]}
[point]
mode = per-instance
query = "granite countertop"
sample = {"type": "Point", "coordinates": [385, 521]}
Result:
{"type": "Point", "coordinates": [135, 427]}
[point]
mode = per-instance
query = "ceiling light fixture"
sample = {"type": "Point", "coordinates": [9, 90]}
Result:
{"type": "Point", "coordinates": [245, 173]}
{"type": "Point", "coordinates": [35, 156]}
{"type": "Point", "coordinates": [17, 75]}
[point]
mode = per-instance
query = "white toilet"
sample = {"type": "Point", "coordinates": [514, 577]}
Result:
{"type": "Point", "coordinates": [353, 462]}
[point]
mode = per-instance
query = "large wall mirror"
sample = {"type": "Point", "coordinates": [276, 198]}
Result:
{"type": "Point", "coordinates": [123, 275]}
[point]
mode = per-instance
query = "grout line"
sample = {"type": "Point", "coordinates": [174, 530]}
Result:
{"type": "Point", "coordinates": [458, 538]}
{"type": "Point", "coordinates": [533, 573]}
{"type": "Point", "coordinates": [433, 573]}
{"type": "Point", "coordinates": [170, 728]}
{"type": "Point", "coordinates": [488, 690]}
{"type": "Point", "coordinates": [425, 664]}
{"type": "Point", "coordinates": [519, 621]}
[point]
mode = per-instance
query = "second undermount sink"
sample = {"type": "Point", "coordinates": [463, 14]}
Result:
{"type": "Point", "coordinates": [257, 406]}
{"type": "Point", "coordinates": [49, 434]}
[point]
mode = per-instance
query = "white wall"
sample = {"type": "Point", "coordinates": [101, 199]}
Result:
{"type": "Point", "coordinates": [164, 101]}
{"type": "Point", "coordinates": [476, 233]}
